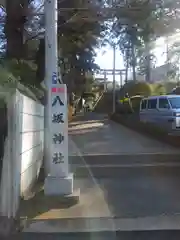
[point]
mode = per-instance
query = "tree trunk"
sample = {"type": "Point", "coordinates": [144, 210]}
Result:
{"type": "Point", "coordinates": [148, 69]}
{"type": "Point", "coordinates": [14, 28]}
{"type": "Point", "coordinates": [127, 67]}
{"type": "Point", "coordinates": [133, 62]}
{"type": "Point", "coordinates": [40, 61]}
{"type": "Point", "coordinates": [148, 63]}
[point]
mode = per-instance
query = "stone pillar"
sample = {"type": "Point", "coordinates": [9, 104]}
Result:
{"type": "Point", "coordinates": [59, 181]}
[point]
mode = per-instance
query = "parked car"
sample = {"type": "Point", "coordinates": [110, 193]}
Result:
{"type": "Point", "coordinates": [164, 111]}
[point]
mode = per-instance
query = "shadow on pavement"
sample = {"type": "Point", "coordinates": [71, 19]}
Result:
{"type": "Point", "coordinates": [106, 235]}
{"type": "Point", "coordinates": [40, 204]}
{"type": "Point", "coordinates": [36, 203]}
{"type": "Point", "coordinates": [142, 192]}
{"type": "Point", "coordinates": [131, 191]}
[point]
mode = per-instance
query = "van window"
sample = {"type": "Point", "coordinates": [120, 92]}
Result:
{"type": "Point", "coordinates": [152, 103]}
{"type": "Point", "coordinates": [163, 103]}
{"type": "Point", "coordinates": [144, 104]}
{"type": "Point", "coordinates": [175, 102]}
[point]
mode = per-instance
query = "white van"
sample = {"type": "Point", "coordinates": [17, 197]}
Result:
{"type": "Point", "coordinates": [163, 111]}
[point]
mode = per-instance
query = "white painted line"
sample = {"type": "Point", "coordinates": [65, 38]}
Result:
{"type": "Point", "coordinates": [134, 165]}
{"type": "Point", "coordinates": [93, 179]}
{"type": "Point", "coordinates": [171, 222]}
{"type": "Point", "coordinates": [120, 154]}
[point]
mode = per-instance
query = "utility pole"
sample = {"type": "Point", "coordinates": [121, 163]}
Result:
{"type": "Point", "coordinates": [114, 78]}
{"type": "Point", "coordinates": [167, 57]}
{"type": "Point", "coordinates": [120, 82]}
{"type": "Point", "coordinates": [132, 36]}
{"type": "Point", "coordinates": [148, 57]}
{"type": "Point", "coordinates": [105, 83]}
{"type": "Point", "coordinates": [58, 181]}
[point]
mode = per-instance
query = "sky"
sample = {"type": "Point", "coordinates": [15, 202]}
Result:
{"type": "Point", "coordinates": [105, 60]}
{"type": "Point", "coordinates": [105, 57]}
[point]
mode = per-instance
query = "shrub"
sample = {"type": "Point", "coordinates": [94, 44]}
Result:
{"type": "Point", "coordinates": [70, 112]}
{"type": "Point", "coordinates": [135, 102]}
{"type": "Point", "coordinates": [129, 106]}
{"type": "Point", "coordinates": [158, 89]}
{"type": "Point", "coordinates": [89, 95]}
{"type": "Point", "coordinates": [137, 88]}
{"type": "Point", "coordinates": [169, 86]}
{"type": "Point", "coordinates": [176, 91]}
{"type": "Point", "coordinates": [9, 83]}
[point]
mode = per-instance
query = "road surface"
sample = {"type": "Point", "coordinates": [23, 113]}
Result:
{"type": "Point", "coordinates": [128, 183]}
{"type": "Point", "coordinates": [139, 177]}
{"type": "Point", "coordinates": [133, 235]}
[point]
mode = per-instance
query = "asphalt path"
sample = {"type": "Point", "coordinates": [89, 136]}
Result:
{"type": "Point", "coordinates": [123, 176]}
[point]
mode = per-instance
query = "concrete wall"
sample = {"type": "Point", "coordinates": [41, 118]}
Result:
{"type": "Point", "coordinates": [32, 137]}
{"type": "Point", "coordinates": [23, 151]}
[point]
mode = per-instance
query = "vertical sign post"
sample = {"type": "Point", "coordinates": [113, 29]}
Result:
{"type": "Point", "coordinates": [105, 82]}
{"type": "Point", "coordinates": [59, 181]}
{"type": "Point", "coordinates": [114, 78]}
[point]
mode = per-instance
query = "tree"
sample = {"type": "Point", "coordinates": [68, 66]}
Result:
{"type": "Point", "coordinates": [78, 38]}
{"type": "Point", "coordinates": [142, 66]}
{"type": "Point", "coordinates": [149, 19]}
{"type": "Point", "coordinates": [174, 61]}
{"type": "Point", "coordinates": [129, 31]}
{"type": "Point", "coordinates": [2, 35]}
{"type": "Point", "coordinates": [16, 17]}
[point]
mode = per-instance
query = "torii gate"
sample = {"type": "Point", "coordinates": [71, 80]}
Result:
{"type": "Point", "coordinates": [106, 72]}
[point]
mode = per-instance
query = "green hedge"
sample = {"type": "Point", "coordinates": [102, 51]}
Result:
{"type": "Point", "coordinates": [158, 89]}
{"type": "Point", "coordinates": [146, 89]}
{"type": "Point", "coordinates": [136, 88]}
{"type": "Point", "coordinates": [129, 105]}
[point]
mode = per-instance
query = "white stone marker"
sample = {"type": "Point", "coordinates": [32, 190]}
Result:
{"type": "Point", "coordinates": [59, 181]}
